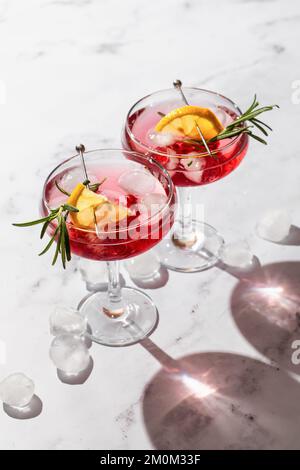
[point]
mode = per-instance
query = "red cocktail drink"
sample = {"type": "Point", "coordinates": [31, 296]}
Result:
{"type": "Point", "coordinates": [124, 208]}
{"type": "Point", "coordinates": [188, 164]}
{"type": "Point", "coordinates": [128, 185]}
{"type": "Point", "coordinates": [163, 127]}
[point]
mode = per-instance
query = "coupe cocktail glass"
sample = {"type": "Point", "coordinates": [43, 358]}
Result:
{"type": "Point", "coordinates": [194, 245]}
{"type": "Point", "coordinates": [124, 316]}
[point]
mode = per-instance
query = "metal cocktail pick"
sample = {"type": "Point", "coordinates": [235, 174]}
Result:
{"type": "Point", "coordinates": [81, 149]}
{"type": "Point", "coordinates": [178, 85]}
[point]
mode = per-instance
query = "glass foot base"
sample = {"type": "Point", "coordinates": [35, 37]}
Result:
{"type": "Point", "coordinates": [201, 255]}
{"type": "Point", "coordinates": [138, 321]}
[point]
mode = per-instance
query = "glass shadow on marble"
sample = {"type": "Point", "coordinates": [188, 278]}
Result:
{"type": "Point", "coordinates": [220, 401]}
{"type": "Point", "coordinates": [94, 279]}
{"type": "Point", "coordinates": [266, 310]}
{"type": "Point", "coordinates": [32, 410]}
{"type": "Point", "coordinates": [146, 271]}
{"type": "Point", "coordinates": [156, 281]}
{"type": "Point", "coordinates": [101, 286]}
{"type": "Point", "coordinates": [293, 238]}
{"type": "Point", "coordinates": [242, 273]}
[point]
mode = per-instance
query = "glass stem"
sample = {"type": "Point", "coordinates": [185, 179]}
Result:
{"type": "Point", "coordinates": [184, 234]}
{"type": "Point", "coordinates": [114, 307]}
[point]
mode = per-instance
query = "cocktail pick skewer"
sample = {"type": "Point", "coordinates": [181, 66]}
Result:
{"type": "Point", "coordinates": [178, 85]}
{"type": "Point", "coordinates": [81, 149]}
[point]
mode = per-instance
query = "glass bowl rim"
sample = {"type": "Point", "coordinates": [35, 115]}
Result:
{"type": "Point", "coordinates": [130, 152]}
{"type": "Point", "coordinates": [152, 150]}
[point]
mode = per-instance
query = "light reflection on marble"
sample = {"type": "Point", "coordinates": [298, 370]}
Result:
{"type": "Point", "coordinates": [72, 69]}
{"type": "Point", "coordinates": [268, 313]}
{"type": "Point", "coordinates": [222, 401]}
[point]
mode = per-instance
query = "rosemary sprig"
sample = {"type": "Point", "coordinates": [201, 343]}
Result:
{"type": "Point", "coordinates": [238, 126]}
{"type": "Point", "coordinates": [93, 187]}
{"type": "Point", "coordinates": [61, 235]}
{"type": "Point", "coordinates": [62, 190]}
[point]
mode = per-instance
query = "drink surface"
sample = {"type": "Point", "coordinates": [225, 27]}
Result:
{"type": "Point", "coordinates": [127, 185]}
{"type": "Point", "coordinates": [179, 157]}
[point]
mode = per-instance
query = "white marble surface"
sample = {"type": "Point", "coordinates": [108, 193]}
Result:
{"type": "Point", "coordinates": [71, 69]}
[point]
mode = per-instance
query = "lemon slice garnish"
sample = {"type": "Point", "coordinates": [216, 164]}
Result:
{"type": "Point", "coordinates": [110, 213]}
{"type": "Point", "coordinates": [91, 205]}
{"type": "Point", "coordinates": [184, 121]}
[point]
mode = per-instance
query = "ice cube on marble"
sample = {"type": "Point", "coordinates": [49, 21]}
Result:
{"type": "Point", "coordinates": [274, 225]}
{"type": "Point", "coordinates": [17, 390]}
{"type": "Point", "coordinates": [143, 266]}
{"type": "Point", "coordinates": [237, 254]}
{"type": "Point", "coordinates": [67, 320]}
{"type": "Point", "coordinates": [69, 353]}
{"type": "Point", "coordinates": [137, 182]}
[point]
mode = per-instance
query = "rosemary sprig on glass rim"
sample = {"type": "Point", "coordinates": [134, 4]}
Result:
{"type": "Point", "coordinates": [239, 126]}
{"type": "Point", "coordinates": [60, 234]}
{"type": "Point", "coordinates": [92, 187]}
{"type": "Point", "coordinates": [95, 186]}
